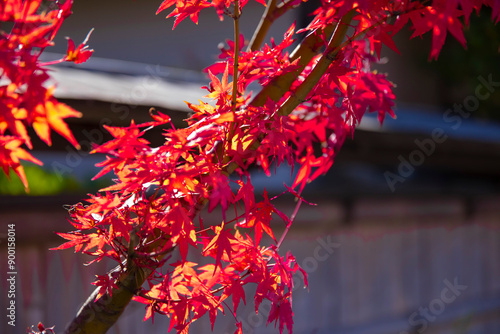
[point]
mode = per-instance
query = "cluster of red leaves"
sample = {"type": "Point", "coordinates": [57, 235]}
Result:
{"type": "Point", "coordinates": [25, 99]}
{"type": "Point", "coordinates": [154, 206]}
{"type": "Point", "coordinates": [192, 8]}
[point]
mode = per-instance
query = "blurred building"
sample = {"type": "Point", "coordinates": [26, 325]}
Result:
{"type": "Point", "coordinates": [405, 237]}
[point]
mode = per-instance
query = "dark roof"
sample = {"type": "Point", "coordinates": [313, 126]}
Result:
{"type": "Point", "coordinates": [125, 82]}
{"type": "Point", "coordinates": [472, 147]}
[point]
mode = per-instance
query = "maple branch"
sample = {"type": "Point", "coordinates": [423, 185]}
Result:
{"type": "Point", "coordinates": [321, 66]}
{"type": "Point", "coordinates": [266, 21]}
{"type": "Point", "coordinates": [279, 85]}
{"type": "Point", "coordinates": [97, 316]}
{"type": "Point", "coordinates": [271, 14]}
{"type": "Point", "coordinates": [305, 51]}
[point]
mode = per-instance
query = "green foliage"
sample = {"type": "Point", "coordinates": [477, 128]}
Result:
{"type": "Point", "coordinates": [41, 182]}
{"type": "Point", "coordinates": [459, 68]}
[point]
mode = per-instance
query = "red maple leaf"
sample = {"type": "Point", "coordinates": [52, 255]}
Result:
{"type": "Point", "coordinates": [220, 90]}
{"type": "Point", "coordinates": [184, 9]}
{"type": "Point", "coordinates": [51, 114]}
{"type": "Point", "coordinates": [239, 329]}
{"type": "Point", "coordinates": [221, 243]}
{"type": "Point", "coordinates": [221, 193]}
{"type": "Point", "coordinates": [235, 289]}
{"type": "Point", "coordinates": [442, 17]}
{"type": "Point", "coordinates": [259, 218]}
{"type": "Point", "coordinates": [106, 284]}
{"type": "Point", "coordinates": [79, 240]}
{"type": "Point", "coordinates": [281, 310]}
{"type": "Point", "coordinates": [80, 54]}
{"type": "Point", "coordinates": [10, 155]}
{"type": "Point", "coordinates": [246, 193]}
{"type": "Point", "coordinates": [181, 229]}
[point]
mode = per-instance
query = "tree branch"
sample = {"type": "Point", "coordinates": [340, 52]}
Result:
{"type": "Point", "coordinates": [97, 316]}
{"type": "Point", "coordinates": [308, 48]}
{"type": "Point", "coordinates": [265, 22]}
{"type": "Point", "coordinates": [321, 66]}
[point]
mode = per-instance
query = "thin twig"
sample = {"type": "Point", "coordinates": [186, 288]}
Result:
{"type": "Point", "coordinates": [292, 218]}
{"type": "Point", "coordinates": [236, 18]}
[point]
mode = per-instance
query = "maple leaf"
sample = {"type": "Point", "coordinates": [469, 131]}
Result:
{"type": "Point", "coordinates": [303, 176]}
{"type": "Point", "coordinates": [259, 218]}
{"type": "Point", "coordinates": [239, 329]}
{"type": "Point", "coordinates": [126, 140]}
{"type": "Point", "coordinates": [184, 9]}
{"type": "Point", "coordinates": [182, 229]}
{"type": "Point", "coordinates": [80, 54]}
{"type": "Point", "coordinates": [220, 89]}
{"type": "Point", "coordinates": [246, 193]}
{"type": "Point", "coordinates": [10, 155]}
{"type": "Point", "coordinates": [286, 268]}
{"type": "Point", "coordinates": [120, 227]}
{"type": "Point", "coordinates": [106, 284]}
{"type": "Point", "coordinates": [11, 117]}
{"type": "Point", "coordinates": [102, 204]}
{"type": "Point", "coordinates": [79, 240]}
{"type": "Point", "coordinates": [266, 285]}
{"type": "Point", "coordinates": [221, 243]}
{"type": "Point", "coordinates": [237, 292]}
{"type": "Point", "coordinates": [76, 240]}
{"type": "Point", "coordinates": [51, 115]}
{"type": "Point", "coordinates": [442, 17]}
{"type": "Point", "coordinates": [221, 193]}
{"type": "Point", "coordinates": [384, 35]}
{"type": "Point", "coordinates": [281, 310]}
{"type": "Point", "coordinates": [159, 118]}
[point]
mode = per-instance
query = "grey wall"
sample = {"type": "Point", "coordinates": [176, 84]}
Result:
{"type": "Point", "coordinates": [376, 275]}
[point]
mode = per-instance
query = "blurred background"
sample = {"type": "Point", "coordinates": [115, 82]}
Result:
{"type": "Point", "coordinates": [405, 237]}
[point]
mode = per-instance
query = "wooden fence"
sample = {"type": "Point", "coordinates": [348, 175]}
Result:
{"type": "Point", "coordinates": [381, 265]}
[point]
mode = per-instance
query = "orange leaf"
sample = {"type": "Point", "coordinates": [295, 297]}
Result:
{"type": "Point", "coordinates": [10, 155]}
{"type": "Point", "coordinates": [56, 112]}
